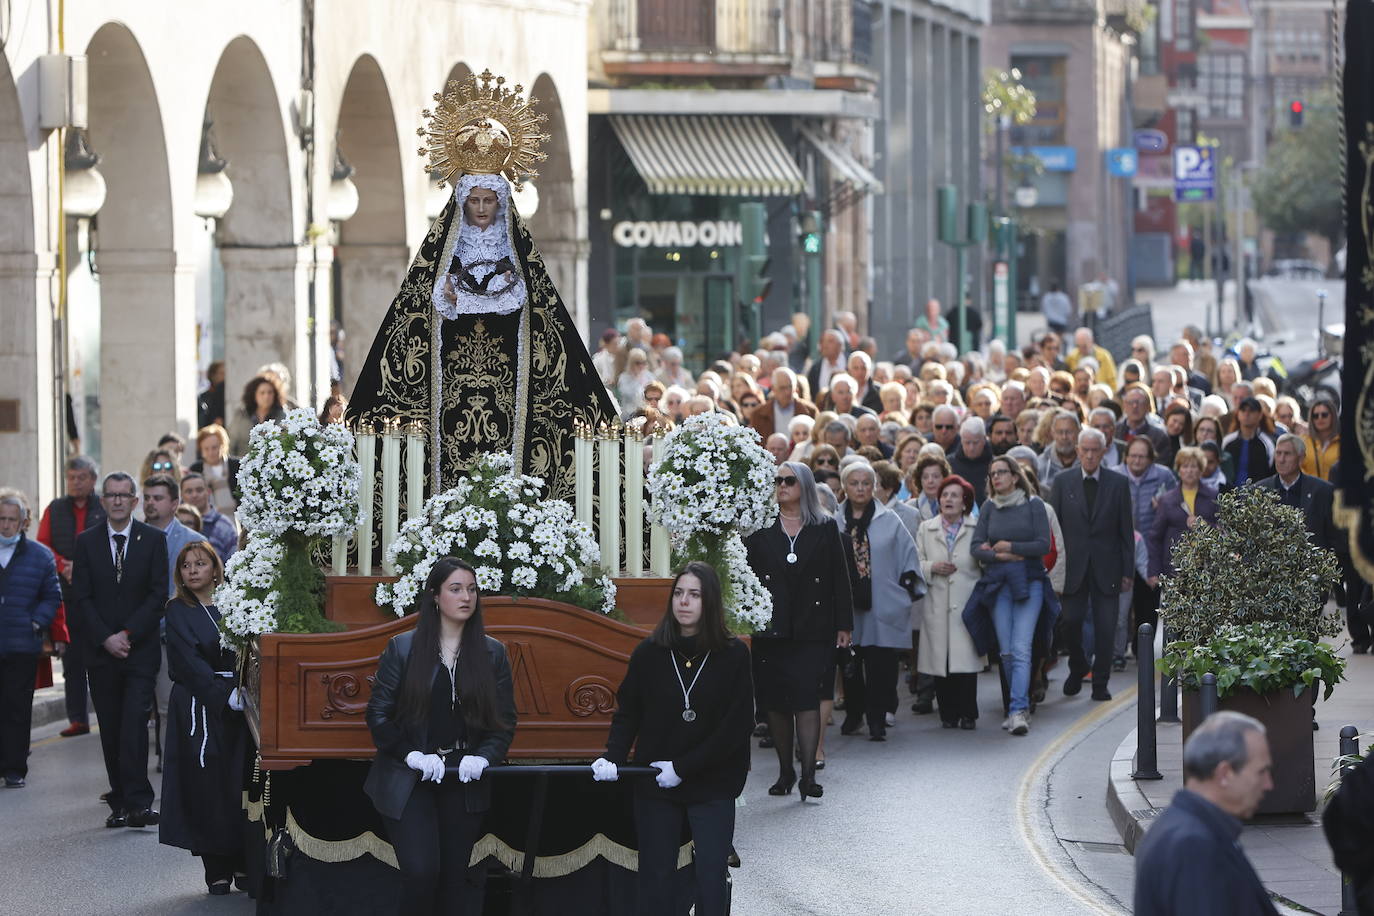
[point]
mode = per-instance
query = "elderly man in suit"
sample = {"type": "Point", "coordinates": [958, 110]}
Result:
{"type": "Point", "coordinates": [1093, 505]}
{"type": "Point", "coordinates": [119, 585]}
{"type": "Point", "coordinates": [775, 415]}
{"type": "Point", "coordinates": [1310, 495]}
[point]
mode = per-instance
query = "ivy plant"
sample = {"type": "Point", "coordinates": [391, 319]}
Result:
{"type": "Point", "coordinates": [1264, 657]}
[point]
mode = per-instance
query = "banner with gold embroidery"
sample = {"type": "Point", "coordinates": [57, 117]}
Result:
{"type": "Point", "coordinates": [479, 383]}
{"type": "Point", "coordinates": [1357, 383]}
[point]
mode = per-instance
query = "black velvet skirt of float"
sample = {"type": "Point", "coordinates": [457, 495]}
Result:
{"type": "Point", "coordinates": [341, 863]}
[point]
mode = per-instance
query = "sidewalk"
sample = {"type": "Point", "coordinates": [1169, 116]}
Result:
{"type": "Point", "coordinates": [1290, 854]}
{"type": "Point", "coordinates": [50, 703]}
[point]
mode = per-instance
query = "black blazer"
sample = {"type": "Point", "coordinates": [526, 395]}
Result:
{"type": "Point", "coordinates": [389, 781]}
{"type": "Point", "coordinates": [1101, 545]}
{"type": "Point", "coordinates": [811, 599]}
{"type": "Point", "coordinates": [1315, 496]}
{"type": "Point", "coordinates": [102, 607]}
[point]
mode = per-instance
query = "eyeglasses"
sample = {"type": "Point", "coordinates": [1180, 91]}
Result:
{"type": "Point", "coordinates": [786, 481]}
{"type": "Point", "coordinates": [1320, 415]}
{"type": "Point", "coordinates": [999, 472]}
{"type": "Point", "coordinates": [117, 497]}
{"type": "Point", "coordinates": [944, 425]}
{"type": "Point", "coordinates": [162, 465]}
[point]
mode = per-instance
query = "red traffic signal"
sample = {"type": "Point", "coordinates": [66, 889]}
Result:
{"type": "Point", "coordinates": [1295, 109]}
{"type": "Point", "coordinates": [1295, 106]}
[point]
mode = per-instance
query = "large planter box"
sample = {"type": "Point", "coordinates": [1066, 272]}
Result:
{"type": "Point", "coordinates": [1288, 722]}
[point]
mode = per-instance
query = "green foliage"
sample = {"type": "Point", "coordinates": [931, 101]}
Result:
{"type": "Point", "coordinates": [1005, 96]}
{"type": "Point", "coordinates": [300, 587]}
{"type": "Point", "coordinates": [1296, 188]}
{"type": "Point", "coordinates": [1256, 565]}
{"type": "Point", "coordinates": [1265, 657]}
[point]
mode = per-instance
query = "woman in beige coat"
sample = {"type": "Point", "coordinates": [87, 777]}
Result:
{"type": "Point", "coordinates": [944, 544]}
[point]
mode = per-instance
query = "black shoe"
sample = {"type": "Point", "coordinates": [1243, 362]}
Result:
{"type": "Point", "coordinates": [1359, 648]}
{"type": "Point", "coordinates": [14, 782]}
{"type": "Point", "coordinates": [877, 736]}
{"type": "Point", "coordinates": [145, 818]}
{"type": "Point", "coordinates": [946, 723]}
{"type": "Point", "coordinates": [760, 729]}
{"type": "Point", "coordinates": [820, 764]}
{"type": "Point", "coordinates": [240, 882]}
{"type": "Point", "coordinates": [104, 797]}
{"type": "Point", "coordinates": [809, 788]}
{"type": "Point", "coordinates": [766, 741]}
{"type": "Point", "coordinates": [733, 860]}
{"type": "Point", "coordinates": [968, 724]}
{"type": "Point", "coordinates": [1073, 684]}
{"type": "Point", "coordinates": [851, 726]}
{"type": "Point", "coordinates": [1119, 663]}
{"type": "Point", "coordinates": [1101, 695]}
{"type": "Point", "coordinates": [923, 707]}
{"type": "Point", "coordinates": [784, 785]}
{"type": "Point", "coordinates": [116, 819]}
{"type": "Point", "coordinates": [220, 888]}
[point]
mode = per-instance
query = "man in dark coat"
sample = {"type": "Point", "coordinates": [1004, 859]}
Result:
{"type": "Point", "coordinates": [1310, 495]}
{"type": "Point", "coordinates": [29, 596]}
{"type": "Point", "coordinates": [119, 587]}
{"type": "Point", "coordinates": [65, 518]}
{"type": "Point", "coordinates": [972, 456]}
{"type": "Point", "coordinates": [1094, 509]}
{"type": "Point", "coordinates": [1190, 862]}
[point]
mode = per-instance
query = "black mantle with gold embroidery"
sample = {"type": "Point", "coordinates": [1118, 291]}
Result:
{"type": "Point", "coordinates": [513, 383]}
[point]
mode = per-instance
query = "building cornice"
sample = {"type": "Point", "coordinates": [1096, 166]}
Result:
{"type": "Point", "coordinates": [815, 103]}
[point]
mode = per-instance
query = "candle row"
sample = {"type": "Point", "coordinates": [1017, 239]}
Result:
{"type": "Point", "coordinates": [393, 436]}
{"type": "Point", "coordinates": [619, 452]}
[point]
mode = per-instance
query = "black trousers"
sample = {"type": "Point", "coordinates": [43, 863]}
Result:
{"type": "Point", "coordinates": [123, 699]}
{"type": "Point", "coordinates": [221, 868]}
{"type": "Point", "coordinates": [870, 687]}
{"type": "Point", "coordinates": [1359, 610]}
{"type": "Point", "coordinates": [658, 823]}
{"type": "Point", "coordinates": [433, 842]}
{"type": "Point", "coordinates": [1144, 607]}
{"type": "Point", "coordinates": [1104, 607]}
{"type": "Point", "coordinates": [16, 712]}
{"type": "Point", "coordinates": [957, 696]}
{"type": "Point", "coordinates": [74, 685]}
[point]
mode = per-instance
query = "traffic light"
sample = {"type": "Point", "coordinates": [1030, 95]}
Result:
{"type": "Point", "coordinates": [810, 237]}
{"type": "Point", "coordinates": [1295, 109]}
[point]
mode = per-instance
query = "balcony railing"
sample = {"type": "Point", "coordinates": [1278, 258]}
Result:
{"type": "Point", "coordinates": [727, 27]}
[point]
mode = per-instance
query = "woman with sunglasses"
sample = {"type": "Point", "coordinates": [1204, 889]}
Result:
{"type": "Point", "coordinates": [800, 560]}
{"type": "Point", "coordinates": [824, 458]}
{"type": "Point", "coordinates": [161, 461]}
{"type": "Point", "coordinates": [1323, 438]}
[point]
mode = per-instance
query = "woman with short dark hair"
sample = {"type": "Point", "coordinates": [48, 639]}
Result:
{"type": "Point", "coordinates": [686, 706]}
{"type": "Point", "coordinates": [442, 696]}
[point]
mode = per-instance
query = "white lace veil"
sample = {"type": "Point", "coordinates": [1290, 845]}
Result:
{"type": "Point", "coordinates": [473, 245]}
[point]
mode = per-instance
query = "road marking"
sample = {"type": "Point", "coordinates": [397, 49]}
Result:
{"type": "Point", "coordinates": [1027, 807]}
{"type": "Point", "coordinates": [53, 739]}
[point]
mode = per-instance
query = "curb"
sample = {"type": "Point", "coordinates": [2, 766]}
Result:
{"type": "Point", "coordinates": [49, 706]}
{"type": "Point", "coordinates": [1130, 810]}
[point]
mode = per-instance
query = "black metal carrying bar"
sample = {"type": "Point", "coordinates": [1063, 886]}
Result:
{"type": "Point", "coordinates": [525, 901]}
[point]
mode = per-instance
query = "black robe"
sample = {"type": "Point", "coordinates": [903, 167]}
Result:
{"type": "Point", "coordinates": [203, 766]}
{"type": "Point", "coordinates": [512, 383]}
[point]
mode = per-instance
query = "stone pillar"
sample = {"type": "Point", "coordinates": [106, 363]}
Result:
{"type": "Point", "coordinates": [148, 352]}
{"type": "Point", "coordinates": [29, 451]}
{"type": "Point", "coordinates": [267, 318]}
{"type": "Point", "coordinates": [370, 277]}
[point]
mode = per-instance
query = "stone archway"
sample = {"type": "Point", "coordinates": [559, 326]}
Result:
{"type": "Point", "coordinates": [147, 298]}
{"type": "Point", "coordinates": [28, 415]}
{"type": "Point", "coordinates": [371, 255]}
{"type": "Point", "coordinates": [266, 272]}
{"type": "Point", "coordinates": [556, 226]}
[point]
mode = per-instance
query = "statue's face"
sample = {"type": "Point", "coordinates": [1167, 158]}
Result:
{"type": "Point", "coordinates": [480, 207]}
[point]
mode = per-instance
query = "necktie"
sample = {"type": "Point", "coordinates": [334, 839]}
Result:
{"type": "Point", "coordinates": [1090, 492]}
{"type": "Point", "coordinates": [119, 540]}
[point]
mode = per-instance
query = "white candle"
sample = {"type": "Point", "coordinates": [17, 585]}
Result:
{"type": "Point", "coordinates": [660, 553]}
{"type": "Point", "coordinates": [367, 459]}
{"type": "Point", "coordinates": [634, 503]}
{"type": "Point", "coordinates": [415, 473]}
{"type": "Point", "coordinates": [584, 474]}
{"type": "Point", "coordinates": [339, 555]}
{"type": "Point", "coordinates": [391, 490]}
{"type": "Point", "coordinates": [610, 504]}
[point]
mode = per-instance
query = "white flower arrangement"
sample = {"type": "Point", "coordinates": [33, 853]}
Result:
{"type": "Point", "coordinates": [299, 476]}
{"type": "Point", "coordinates": [712, 487]}
{"type": "Point", "coordinates": [518, 543]}
{"type": "Point", "coordinates": [299, 482]}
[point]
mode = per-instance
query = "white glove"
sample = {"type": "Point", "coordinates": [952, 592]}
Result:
{"type": "Point", "coordinates": [667, 777]}
{"type": "Point", "coordinates": [235, 700]}
{"type": "Point", "coordinates": [604, 771]}
{"type": "Point", "coordinates": [430, 766]}
{"type": "Point", "coordinates": [471, 767]}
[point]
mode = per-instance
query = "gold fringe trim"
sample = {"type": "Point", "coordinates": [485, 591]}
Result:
{"type": "Point", "coordinates": [368, 843]}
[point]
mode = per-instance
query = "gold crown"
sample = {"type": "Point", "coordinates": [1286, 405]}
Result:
{"type": "Point", "coordinates": [483, 129]}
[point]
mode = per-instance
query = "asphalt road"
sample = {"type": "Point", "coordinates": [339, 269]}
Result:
{"type": "Point", "coordinates": [933, 821]}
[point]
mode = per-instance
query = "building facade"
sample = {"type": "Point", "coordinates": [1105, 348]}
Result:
{"type": "Point", "coordinates": [1079, 63]}
{"type": "Point", "coordinates": [254, 187]}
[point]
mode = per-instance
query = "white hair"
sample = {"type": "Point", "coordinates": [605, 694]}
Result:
{"type": "Point", "coordinates": [806, 423]}
{"type": "Point", "coordinates": [942, 409]}
{"type": "Point", "coordinates": [974, 426]}
{"type": "Point", "coordinates": [1088, 434]}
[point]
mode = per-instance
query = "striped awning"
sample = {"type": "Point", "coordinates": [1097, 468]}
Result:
{"type": "Point", "coordinates": [719, 155]}
{"type": "Point", "coordinates": [844, 167]}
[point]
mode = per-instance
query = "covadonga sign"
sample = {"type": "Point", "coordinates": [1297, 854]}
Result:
{"type": "Point", "coordinates": [665, 234]}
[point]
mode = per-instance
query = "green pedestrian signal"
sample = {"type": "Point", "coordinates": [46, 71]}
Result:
{"type": "Point", "coordinates": [811, 243]}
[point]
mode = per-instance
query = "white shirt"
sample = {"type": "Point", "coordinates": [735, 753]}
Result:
{"type": "Point", "coordinates": [7, 553]}
{"type": "Point", "coordinates": [1095, 475]}
{"type": "Point", "coordinates": [827, 369]}
{"type": "Point", "coordinates": [111, 532]}
{"type": "Point", "coordinates": [782, 416]}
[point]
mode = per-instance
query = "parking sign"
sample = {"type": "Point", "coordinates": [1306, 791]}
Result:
{"type": "Point", "coordinates": [1194, 173]}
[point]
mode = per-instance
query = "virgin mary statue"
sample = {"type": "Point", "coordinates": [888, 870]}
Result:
{"type": "Point", "coordinates": [477, 347]}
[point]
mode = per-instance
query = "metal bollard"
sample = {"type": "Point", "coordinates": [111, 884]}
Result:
{"type": "Point", "coordinates": [1350, 746]}
{"type": "Point", "coordinates": [1168, 693]}
{"type": "Point", "coordinates": [1208, 695]}
{"type": "Point", "coordinates": [1146, 746]}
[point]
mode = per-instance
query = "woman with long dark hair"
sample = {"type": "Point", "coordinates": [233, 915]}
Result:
{"type": "Point", "coordinates": [800, 560]}
{"type": "Point", "coordinates": [263, 400]}
{"type": "Point", "coordinates": [686, 705]}
{"type": "Point", "coordinates": [442, 695]}
{"type": "Point", "coordinates": [207, 738]}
